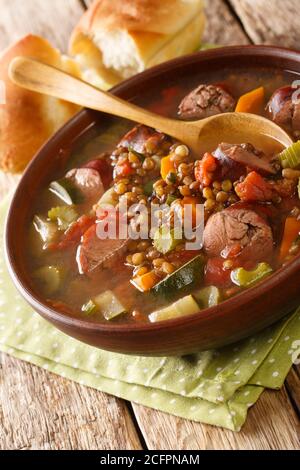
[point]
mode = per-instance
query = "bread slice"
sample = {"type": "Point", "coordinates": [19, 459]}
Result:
{"type": "Point", "coordinates": [28, 119]}
{"type": "Point", "coordinates": [115, 40]}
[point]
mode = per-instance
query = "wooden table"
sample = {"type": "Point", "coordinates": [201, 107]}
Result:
{"type": "Point", "coordinates": [39, 410]}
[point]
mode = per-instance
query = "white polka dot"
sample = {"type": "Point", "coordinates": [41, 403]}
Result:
{"type": "Point", "coordinates": [193, 408]}
{"type": "Point", "coordinates": [63, 374]}
{"type": "Point", "coordinates": [164, 387]}
{"type": "Point", "coordinates": [236, 360]}
{"type": "Point", "coordinates": [258, 383]}
{"type": "Point", "coordinates": [173, 401]}
{"type": "Point", "coordinates": [254, 351]}
{"type": "Point", "coordinates": [200, 374]}
{"type": "Point", "coordinates": [237, 372]}
{"type": "Point", "coordinates": [270, 340]}
{"type": "Point", "coordinates": [18, 308]}
{"type": "Point", "coordinates": [219, 369]}
{"type": "Point", "coordinates": [81, 382]}
{"type": "Point", "coordinates": [54, 346]}
{"type": "Point", "coordinates": [75, 365]}
{"type": "Point", "coordinates": [254, 363]}
{"type": "Point", "coordinates": [237, 382]}
{"type": "Point", "coordinates": [183, 393]}
{"type": "Point", "coordinates": [182, 380]}
{"type": "Point", "coordinates": [162, 362]}
{"type": "Point", "coordinates": [219, 387]}
{"type": "Point", "coordinates": [46, 366]}
{"type": "Point", "coordinates": [247, 393]}
{"type": "Point", "coordinates": [275, 374]}
{"type": "Point", "coordinates": [286, 338]}
{"type": "Point", "coordinates": [94, 370]}
{"type": "Point", "coordinates": [233, 413]}
{"type": "Point", "coordinates": [290, 352]}
{"type": "Point", "coordinates": [145, 371]}
{"type": "Point", "coordinates": [180, 369]}
{"type": "Point", "coordinates": [163, 375]}
{"type": "Point", "coordinates": [212, 411]}
{"type": "Point", "coordinates": [154, 395]}
{"type": "Point", "coordinates": [57, 359]}
{"type": "Point", "coordinates": [220, 398]}
{"type": "Point", "coordinates": [271, 361]}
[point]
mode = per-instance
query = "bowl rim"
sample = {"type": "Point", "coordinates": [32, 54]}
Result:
{"type": "Point", "coordinates": [248, 295]}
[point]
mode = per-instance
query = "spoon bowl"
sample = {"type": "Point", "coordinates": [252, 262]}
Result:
{"type": "Point", "coordinates": [198, 135]}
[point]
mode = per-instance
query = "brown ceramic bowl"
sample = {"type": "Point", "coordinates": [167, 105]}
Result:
{"type": "Point", "coordinates": [234, 319]}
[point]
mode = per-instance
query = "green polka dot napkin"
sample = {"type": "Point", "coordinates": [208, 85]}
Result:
{"type": "Point", "coordinates": [215, 387]}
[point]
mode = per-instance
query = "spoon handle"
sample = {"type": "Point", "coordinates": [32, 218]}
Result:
{"type": "Point", "coordinates": [39, 77]}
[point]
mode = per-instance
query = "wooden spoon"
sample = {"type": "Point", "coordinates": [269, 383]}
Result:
{"type": "Point", "coordinates": [199, 135]}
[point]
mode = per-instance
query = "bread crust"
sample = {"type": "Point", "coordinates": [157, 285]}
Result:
{"type": "Point", "coordinates": [28, 119]}
{"type": "Point", "coordinates": [158, 30]}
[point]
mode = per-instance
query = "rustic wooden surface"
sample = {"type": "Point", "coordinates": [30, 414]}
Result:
{"type": "Point", "coordinates": [39, 410]}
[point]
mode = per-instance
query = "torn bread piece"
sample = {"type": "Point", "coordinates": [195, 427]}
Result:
{"type": "Point", "coordinates": [28, 119]}
{"type": "Point", "coordinates": [115, 40]}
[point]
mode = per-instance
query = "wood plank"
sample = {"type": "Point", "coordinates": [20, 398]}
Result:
{"type": "Point", "coordinates": [272, 425]}
{"type": "Point", "coordinates": [40, 410]}
{"type": "Point", "coordinates": [221, 26]}
{"type": "Point", "coordinates": [270, 22]}
{"type": "Point", "coordinates": [293, 387]}
{"type": "Point", "coordinates": [52, 19]}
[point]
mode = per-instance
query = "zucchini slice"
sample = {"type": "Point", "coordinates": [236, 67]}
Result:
{"type": "Point", "coordinates": [109, 305]}
{"type": "Point", "coordinates": [183, 307]}
{"type": "Point", "coordinates": [165, 240]}
{"type": "Point", "coordinates": [208, 297]}
{"type": "Point", "coordinates": [47, 230]}
{"type": "Point", "coordinates": [65, 191]}
{"type": "Point", "coordinates": [185, 279]}
{"type": "Point", "coordinates": [49, 278]}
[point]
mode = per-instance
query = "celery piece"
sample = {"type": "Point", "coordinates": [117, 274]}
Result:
{"type": "Point", "coordinates": [243, 278]}
{"type": "Point", "coordinates": [49, 278]}
{"type": "Point", "coordinates": [89, 308]}
{"type": "Point", "coordinates": [290, 157]}
{"type": "Point", "coordinates": [46, 230]}
{"type": "Point", "coordinates": [208, 297]}
{"type": "Point", "coordinates": [183, 307]}
{"type": "Point", "coordinates": [109, 305]}
{"type": "Point", "coordinates": [63, 215]}
{"type": "Point", "coordinates": [166, 239]}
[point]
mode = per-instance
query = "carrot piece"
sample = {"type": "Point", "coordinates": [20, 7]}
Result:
{"type": "Point", "coordinates": [166, 167]}
{"type": "Point", "coordinates": [291, 232]}
{"type": "Point", "coordinates": [204, 169]}
{"type": "Point", "coordinates": [145, 282]}
{"type": "Point", "coordinates": [193, 201]}
{"type": "Point", "coordinates": [251, 102]}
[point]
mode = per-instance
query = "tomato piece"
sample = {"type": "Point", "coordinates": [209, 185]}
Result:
{"type": "Point", "coordinates": [205, 168]}
{"type": "Point", "coordinates": [123, 169]}
{"type": "Point", "coordinates": [216, 275]}
{"type": "Point", "coordinates": [254, 188]}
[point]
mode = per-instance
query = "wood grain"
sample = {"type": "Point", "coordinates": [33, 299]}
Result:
{"type": "Point", "coordinates": [272, 424]}
{"type": "Point", "coordinates": [52, 19]}
{"type": "Point", "coordinates": [270, 22]}
{"type": "Point", "coordinates": [40, 410]}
